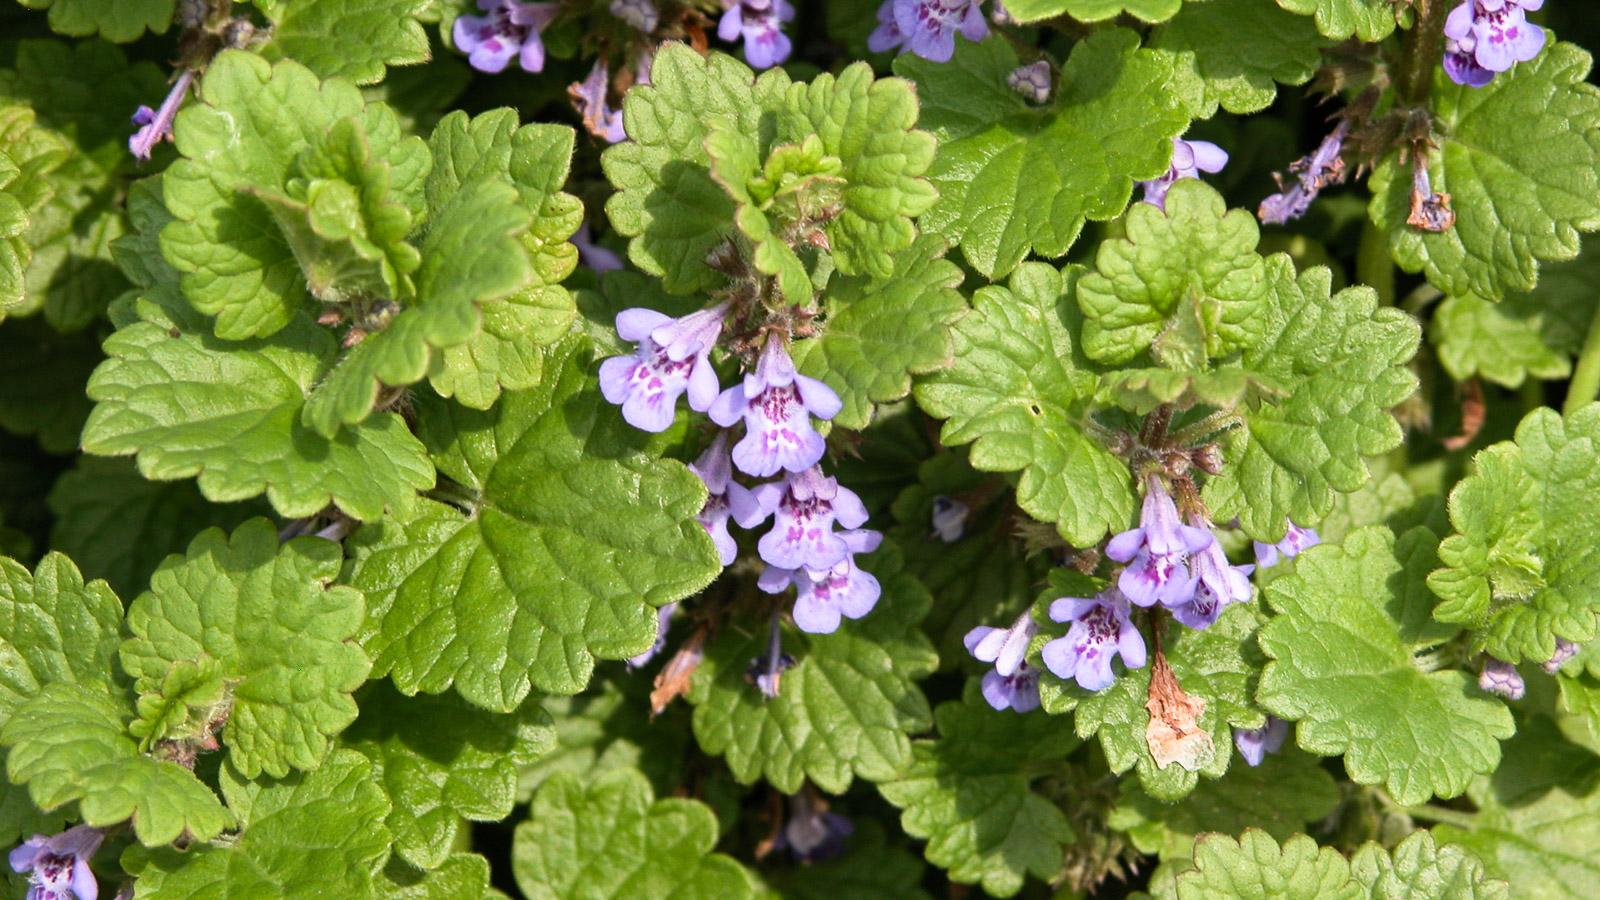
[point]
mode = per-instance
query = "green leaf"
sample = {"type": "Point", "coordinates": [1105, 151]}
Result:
{"type": "Point", "coordinates": [114, 20]}
{"type": "Point", "coordinates": [254, 122]}
{"type": "Point", "coordinates": [470, 256]}
{"type": "Point", "coordinates": [1368, 20]}
{"type": "Point", "coordinates": [1504, 342]}
{"type": "Point", "coordinates": [734, 162]}
{"type": "Point", "coordinates": [118, 526]}
{"type": "Point", "coordinates": [611, 838]}
{"type": "Point", "coordinates": [579, 532]}
{"type": "Point", "coordinates": [1420, 868]}
{"type": "Point", "coordinates": [1025, 11]}
{"type": "Point", "coordinates": [599, 730]}
{"type": "Point", "coordinates": [34, 356]}
{"type": "Point", "coordinates": [278, 633]}
{"type": "Point", "coordinates": [462, 876]}
{"type": "Point", "coordinates": [1186, 283]}
{"type": "Point", "coordinates": [1018, 393]}
{"type": "Point", "coordinates": [665, 199]}
{"type": "Point", "coordinates": [320, 831]}
{"type": "Point", "coordinates": [1300, 792]}
{"type": "Point", "coordinates": [1521, 161]}
{"type": "Point", "coordinates": [508, 351]}
{"type": "Point", "coordinates": [69, 743]}
{"type": "Point", "coordinates": [972, 794]}
{"type": "Point", "coordinates": [985, 576]}
{"type": "Point", "coordinates": [881, 331]}
{"type": "Point", "coordinates": [1343, 362]}
{"type": "Point", "coordinates": [54, 629]}
{"type": "Point", "coordinates": [1350, 617]}
{"type": "Point", "coordinates": [83, 90]}
{"type": "Point", "coordinates": [1543, 846]}
{"type": "Point", "coordinates": [351, 39]}
{"type": "Point", "coordinates": [848, 706]}
{"type": "Point", "coordinates": [444, 763]}
{"type": "Point", "coordinates": [868, 868]}
{"type": "Point", "coordinates": [1255, 866]}
{"type": "Point", "coordinates": [1235, 53]}
{"type": "Point", "coordinates": [1014, 178]}
{"type": "Point", "coordinates": [1217, 666]}
{"type": "Point", "coordinates": [1523, 568]}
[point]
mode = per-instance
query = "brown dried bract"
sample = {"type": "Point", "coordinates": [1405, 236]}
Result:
{"type": "Point", "coordinates": [673, 682]}
{"type": "Point", "coordinates": [1174, 734]}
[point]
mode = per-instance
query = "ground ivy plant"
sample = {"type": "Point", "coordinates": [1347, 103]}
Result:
{"type": "Point", "coordinates": [761, 449]}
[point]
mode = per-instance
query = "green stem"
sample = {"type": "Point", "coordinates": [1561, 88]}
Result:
{"type": "Point", "coordinates": [1428, 812]}
{"type": "Point", "coordinates": [1374, 265]}
{"type": "Point", "coordinates": [1424, 49]}
{"type": "Point", "coordinates": [1586, 377]}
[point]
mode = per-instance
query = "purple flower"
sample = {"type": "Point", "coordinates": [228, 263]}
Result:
{"type": "Point", "coordinates": [887, 35]}
{"type": "Point", "coordinates": [1483, 37]}
{"type": "Point", "coordinates": [591, 254]}
{"type": "Point", "coordinates": [822, 596]}
{"type": "Point", "coordinates": [1565, 650]}
{"type": "Point", "coordinates": [1189, 159]}
{"type": "Point", "coordinates": [930, 26]}
{"type": "Point", "coordinates": [59, 864]}
{"type": "Point", "coordinates": [777, 404]}
{"type": "Point", "coordinates": [766, 671]}
{"type": "Point", "coordinates": [1324, 167]}
{"type": "Point", "coordinates": [589, 99]}
{"type": "Point", "coordinates": [812, 834]}
{"type": "Point", "coordinates": [511, 28]}
{"type": "Point", "coordinates": [1032, 81]}
{"type": "Point", "coordinates": [760, 22]}
{"type": "Point", "coordinates": [804, 507]}
{"type": "Point", "coordinates": [1011, 684]}
{"type": "Point", "coordinates": [1157, 552]}
{"type": "Point", "coordinates": [673, 357]}
{"type": "Point", "coordinates": [1500, 677]}
{"type": "Point", "coordinates": [155, 126]}
{"type": "Point", "coordinates": [949, 519]}
{"type": "Point", "coordinates": [1255, 743]}
{"type": "Point", "coordinates": [663, 620]}
{"type": "Point", "coordinates": [1100, 631]}
{"type": "Point", "coordinates": [725, 498]}
{"type": "Point", "coordinates": [1295, 540]}
{"type": "Point", "coordinates": [641, 14]}
{"type": "Point", "coordinates": [1216, 585]}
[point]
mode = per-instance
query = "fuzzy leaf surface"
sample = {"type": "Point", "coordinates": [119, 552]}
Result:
{"type": "Point", "coordinates": [350, 39]}
{"type": "Point", "coordinates": [1235, 53]}
{"type": "Point", "coordinates": [115, 20]}
{"type": "Point", "coordinates": [1368, 20]}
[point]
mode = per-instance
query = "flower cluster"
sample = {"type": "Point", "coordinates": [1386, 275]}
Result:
{"type": "Point", "coordinates": [508, 28]}
{"type": "Point", "coordinates": [776, 404]}
{"type": "Point", "coordinates": [1012, 684]}
{"type": "Point", "coordinates": [1486, 37]}
{"type": "Point", "coordinates": [760, 24]}
{"type": "Point", "coordinates": [1179, 566]}
{"type": "Point", "coordinates": [927, 28]}
{"type": "Point", "coordinates": [1189, 159]}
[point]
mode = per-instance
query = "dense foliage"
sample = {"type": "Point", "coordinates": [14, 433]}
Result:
{"type": "Point", "coordinates": [854, 448]}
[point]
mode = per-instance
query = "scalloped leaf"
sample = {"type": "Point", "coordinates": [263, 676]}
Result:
{"type": "Point", "coordinates": [277, 633]}
{"type": "Point", "coordinates": [1018, 392]}
{"type": "Point", "coordinates": [1014, 178]}
{"type": "Point", "coordinates": [847, 707]}
{"type": "Point", "coordinates": [1026, 11]}
{"type": "Point", "coordinates": [114, 20]}
{"type": "Point", "coordinates": [579, 532]}
{"type": "Point", "coordinates": [351, 39]}
{"type": "Point", "coordinates": [1367, 20]}
{"type": "Point", "coordinates": [1235, 53]}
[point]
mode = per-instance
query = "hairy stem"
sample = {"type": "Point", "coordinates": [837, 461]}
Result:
{"type": "Point", "coordinates": [1374, 265]}
{"type": "Point", "coordinates": [1424, 49]}
{"type": "Point", "coordinates": [1586, 377]}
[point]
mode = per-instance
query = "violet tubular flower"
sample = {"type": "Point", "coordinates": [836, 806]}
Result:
{"type": "Point", "coordinates": [1011, 684]}
{"type": "Point", "coordinates": [804, 507]}
{"type": "Point", "coordinates": [824, 597]}
{"type": "Point", "coordinates": [887, 36]}
{"type": "Point", "coordinates": [1255, 743]}
{"type": "Point", "coordinates": [1295, 541]}
{"type": "Point", "coordinates": [155, 126]}
{"type": "Point", "coordinates": [1157, 552]}
{"type": "Point", "coordinates": [1501, 677]}
{"type": "Point", "coordinates": [57, 866]}
{"type": "Point", "coordinates": [1217, 585]}
{"type": "Point", "coordinates": [641, 14]}
{"type": "Point", "coordinates": [1101, 630]}
{"type": "Point", "coordinates": [510, 29]}
{"type": "Point", "coordinates": [591, 254]}
{"type": "Point", "coordinates": [673, 357]}
{"type": "Point", "coordinates": [777, 404]}
{"type": "Point", "coordinates": [1323, 168]}
{"type": "Point", "coordinates": [589, 99]}
{"type": "Point", "coordinates": [1486, 37]}
{"type": "Point", "coordinates": [812, 833]}
{"type": "Point", "coordinates": [1565, 650]}
{"type": "Point", "coordinates": [930, 26]}
{"type": "Point", "coordinates": [1032, 81]}
{"type": "Point", "coordinates": [949, 518]}
{"type": "Point", "coordinates": [1189, 159]}
{"type": "Point", "coordinates": [725, 498]}
{"type": "Point", "coordinates": [766, 671]}
{"type": "Point", "coordinates": [760, 24]}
